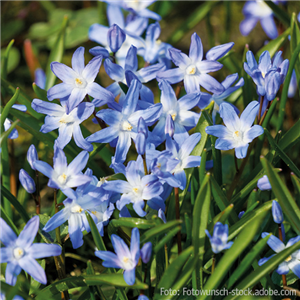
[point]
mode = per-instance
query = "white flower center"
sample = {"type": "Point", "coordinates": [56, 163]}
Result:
{"type": "Point", "coordinates": [191, 70]}
{"type": "Point", "coordinates": [18, 253]}
{"type": "Point", "coordinates": [62, 178]}
{"type": "Point", "coordinates": [263, 74]}
{"type": "Point", "coordinates": [135, 190]}
{"type": "Point", "coordinates": [173, 114]}
{"type": "Point", "coordinates": [80, 83]}
{"type": "Point", "coordinates": [77, 209]}
{"type": "Point", "coordinates": [126, 126]}
{"type": "Point", "coordinates": [100, 182]}
{"type": "Point", "coordinates": [127, 263]}
{"type": "Point", "coordinates": [238, 135]}
{"type": "Point", "coordinates": [66, 119]}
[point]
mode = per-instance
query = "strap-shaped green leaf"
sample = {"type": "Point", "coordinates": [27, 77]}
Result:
{"type": "Point", "coordinates": [266, 268]}
{"type": "Point", "coordinates": [133, 222]}
{"type": "Point", "coordinates": [287, 203]}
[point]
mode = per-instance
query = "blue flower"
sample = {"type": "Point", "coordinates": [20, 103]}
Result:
{"type": "Point", "coordinates": [206, 98]}
{"type": "Point", "coordinates": [291, 263]}
{"type": "Point", "coordinates": [2, 297]}
{"type": "Point", "coordinates": [267, 75]}
{"type": "Point", "coordinates": [161, 215]}
{"type": "Point", "coordinates": [181, 153]}
{"type": "Point", "coordinates": [142, 297]}
{"type": "Point", "coordinates": [78, 81]}
{"type": "Point", "coordinates": [237, 132]}
{"type": "Point", "coordinates": [264, 184]}
{"type": "Point", "coordinates": [137, 188]}
{"type": "Point", "coordinates": [258, 11]}
{"type": "Point", "coordinates": [183, 118]}
{"type": "Point", "coordinates": [32, 156]}
{"type": "Point", "coordinates": [63, 176]}
{"type": "Point", "coordinates": [115, 38]}
{"type": "Point", "coordinates": [40, 78]}
{"type": "Point", "coordinates": [123, 125]}
{"type": "Point", "coordinates": [193, 69]}
{"type": "Point", "coordinates": [19, 252]}
{"type": "Point", "coordinates": [26, 181]}
{"type": "Point", "coordinates": [68, 124]}
{"type": "Point", "coordinates": [124, 258]}
{"type": "Point", "coordinates": [219, 239]}
{"type": "Point", "coordinates": [87, 197]}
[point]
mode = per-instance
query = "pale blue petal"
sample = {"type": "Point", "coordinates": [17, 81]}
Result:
{"type": "Point", "coordinates": [40, 250]}
{"type": "Point", "coordinates": [229, 116]}
{"type": "Point", "coordinates": [6, 254]}
{"type": "Point", "coordinates": [241, 152]}
{"type": "Point", "coordinates": [138, 207]}
{"type": "Point", "coordinates": [196, 48]}
{"type": "Point", "coordinates": [218, 51]}
{"type": "Point", "coordinates": [229, 80]}
{"type": "Point", "coordinates": [115, 15]}
{"type": "Point", "coordinates": [114, 71]}
{"type": "Point", "coordinates": [146, 13]}
{"type": "Point", "coordinates": [248, 115]}
{"type": "Point", "coordinates": [33, 268]}
{"type": "Point", "coordinates": [110, 260]}
{"type": "Point", "coordinates": [51, 123]}
{"type": "Point", "coordinates": [91, 69]}
{"type": "Point", "coordinates": [50, 109]}
{"type": "Point", "coordinates": [75, 232]}
{"type": "Point", "coordinates": [295, 267]}
{"type": "Point", "coordinates": [207, 66]}
{"type": "Point", "coordinates": [98, 33]}
{"type": "Point", "coordinates": [7, 235]}
{"type": "Point", "coordinates": [131, 99]}
{"type": "Point", "coordinates": [137, 26]}
{"type": "Point", "coordinates": [64, 135]}
{"type": "Point", "coordinates": [11, 272]}
{"type": "Point", "coordinates": [57, 220]}
{"type": "Point", "coordinates": [78, 60]}
{"type": "Point", "coordinates": [109, 116]}
{"type": "Point", "coordinates": [191, 84]}
{"type": "Point", "coordinates": [44, 168]}
{"type": "Point", "coordinates": [269, 26]}
{"type": "Point", "coordinates": [188, 118]}
{"type": "Point", "coordinates": [63, 72]}
{"type": "Point", "coordinates": [120, 247]}
{"type": "Point", "coordinates": [172, 75]}
{"type": "Point", "coordinates": [218, 131]}
{"type": "Point", "coordinates": [119, 186]}
{"type": "Point", "coordinates": [283, 268]}
{"type": "Point", "coordinates": [59, 160]}
{"type": "Point", "coordinates": [149, 115]}
{"type": "Point", "coordinates": [19, 107]}
{"type": "Point", "coordinates": [152, 190]}
{"type": "Point", "coordinates": [253, 132]}
{"type": "Point", "coordinates": [105, 135]}
{"type": "Point", "coordinates": [221, 232]}
{"type": "Point", "coordinates": [149, 73]}
{"type": "Point", "coordinates": [293, 241]}
{"type": "Point", "coordinates": [96, 51]}
{"type": "Point", "coordinates": [189, 101]}
{"type": "Point", "coordinates": [135, 245]}
{"type": "Point", "coordinates": [168, 97]}
{"type": "Point", "coordinates": [223, 144]}
{"type": "Point", "coordinates": [275, 243]}
{"type": "Point", "coordinates": [264, 260]}
{"type": "Point", "coordinates": [129, 276]}
{"type": "Point", "coordinates": [247, 25]}
{"type": "Point", "coordinates": [122, 147]}
{"type": "Point", "coordinates": [210, 84]}
{"type": "Point", "coordinates": [131, 62]}
{"type": "Point", "coordinates": [98, 92]}
{"type": "Point", "coordinates": [80, 140]}
{"type": "Point", "coordinates": [191, 162]}
{"type": "Point", "coordinates": [179, 59]}
{"type": "Point", "coordinates": [188, 146]}
{"type": "Point", "coordinates": [77, 95]}
{"type": "Point", "coordinates": [78, 163]}
{"type": "Point", "coordinates": [181, 178]}
{"type": "Point", "coordinates": [146, 252]}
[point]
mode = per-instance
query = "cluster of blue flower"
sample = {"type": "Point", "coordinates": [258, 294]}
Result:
{"type": "Point", "coordinates": [151, 177]}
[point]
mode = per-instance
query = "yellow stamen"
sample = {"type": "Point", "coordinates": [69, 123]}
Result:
{"type": "Point", "coordinates": [289, 258]}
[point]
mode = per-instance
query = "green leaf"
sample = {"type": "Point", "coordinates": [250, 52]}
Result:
{"type": "Point", "coordinates": [235, 229]}
{"type": "Point", "coordinates": [230, 256]}
{"type": "Point", "coordinates": [41, 93]}
{"type": "Point", "coordinates": [266, 268]}
{"type": "Point", "coordinates": [133, 222]}
{"type": "Point", "coordinates": [285, 89]}
{"type": "Point", "coordinates": [57, 287]}
{"type": "Point", "coordinates": [274, 45]}
{"type": "Point", "coordinates": [14, 290]}
{"type": "Point", "coordinates": [191, 21]}
{"type": "Point", "coordinates": [5, 59]}
{"type": "Point", "coordinates": [280, 13]}
{"type": "Point", "coordinates": [282, 154]}
{"type": "Point", "coordinates": [174, 270]}
{"type": "Point", "coordinates": [200, 220]}
{"type": "Point", "coordinates": [56, 54]}
{"type": "Point", "coordinates": [291, 278]}
{"type": "Point", "coordinates": [247, 261]}
{"type": "Point", "coordinates": [221, 217]}
{"type": "Point", "coordinates": [14, 59]}
{"type": "Point", "coordinates": [296, 184]}
{"type": "Point", "coordinates": [7, 107]}
{"type": "Point", "coordinates": [295, 40]}
{"type": "Point", "coordinates": [291, 137]}
{"type": "Point", "coordinates": [248, 84]}
{"type": "Point", "coordinates": [151, 233]}
{"type": "Point", "coordinates": [16, 204]}
{"type": "Point", "coordinates": [287, 203]}
{"type": "Point", "coordinates": [166, 239]}
{"type": "Point", "coordinates": [95, 233]}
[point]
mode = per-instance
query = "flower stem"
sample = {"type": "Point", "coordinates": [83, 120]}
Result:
{"type": "Point", "coordinates": [281, 238]}
{"type": "Point", "coordinates": [260, 108]}
{"type": "Point", "coordinates": [12, 177]}
{"type": "Point", "coordinates": [177, 209]}
{"type": "Point", "coordinates": [178, 89]}
{"type": "Point", "coordinates": [213, 264]}
{"type": "Point", "coordinates": [145, 163]}
{"type": "Point", "coordinates": [38, 195]}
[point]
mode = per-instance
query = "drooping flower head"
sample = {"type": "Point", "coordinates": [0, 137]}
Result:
{"type": "Point", "coordinates": [219, 239]}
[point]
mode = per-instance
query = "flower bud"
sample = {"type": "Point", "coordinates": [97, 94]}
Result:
{"type": "Point", "coordinates": [241, 214]}
{"type": "Point", "coordinates": [27, 182]}
{"type": "Point", "coordinates": [277, 212]}
{"type": "Point", "coordinates": [32, 156]}
{"type": "Point", "coordinates": [161, 215]}
{"type": "Point", "coordinates": [170, 126]}
{"type": "Point", "coordinates": [146, 252]}
{"type": "Point", "coordinates": [140, 143]}
{"type": "Point", "coordinates": [115, 38]}
{"type": "Point", "coordinates": [264, 184]}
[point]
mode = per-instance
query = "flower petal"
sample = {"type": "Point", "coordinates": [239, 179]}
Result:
{"type": "Point", "coordinates": [59, 91]}
{"type": "Point", "coordinates": [33, 268]}
{"type": "Point", "coordinates": [218, 51]}
{"type": "Point", "coordinates": [57, 220]}
{"type": "Point", "coordinates": [76, 235]}
{"type": "Point", "coordinates": [210, 84]}
{"type": "Point", "coordinates": [40, 250]}
{"type": "Point", "coordinates": [91, 69]}
{"type": "Point", "coordinates": [63, 72]}
{"type": "Point", "coordinates": [129, 276]}
{"type": "Point", "coordinates": [78, 163]}
{"type": "Point", "coordinates": [172, 76]}
{"type": "Point", "coordinates": [80, 140]}
{"type": "Point", "coordinates": [269, 27]}
{"type": "Point", "coordinates": [29, 232]}
{"type": "Point", "coordinates": [110, 260]}
{"type": "Point", "coordinates": [229, 116]}
{"type": "Point", "coordinates": [196, 48]}
{"type": "Point", "coordinates": [78, 60]}
{"type": "Point", "coordinates": [7, 235]}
